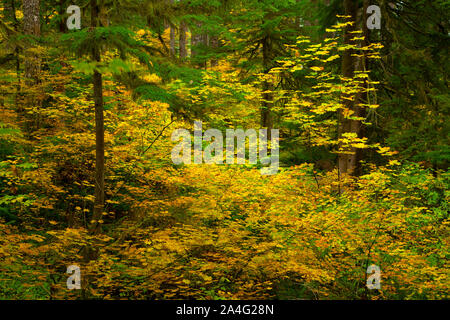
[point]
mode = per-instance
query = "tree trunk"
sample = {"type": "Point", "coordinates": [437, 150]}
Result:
{"type": "Point", "coordinates": [32, 65]}
{"type": "Point", "coordinates": [99, 130]}
{"type": "Point", "coordinates": [62, 11]}
{"type": "Point", "coordinates": [10, 16]}
{"type": "Point", "coordinates": [172, 48]}
{"type": "Point", "coordinates": [364, 96]}
{"type": "Point", "coordinates": [182, 39]}
{"type": "Point", "coordinates": [183, 30]}
{"type": "Point", "coordinates": [348, 162]}
{"type": "Point", "coordinates": [197, 39]}
{"type": "Point", "coordinates": [172, 42]}
{"type": "Point", "coordinates": [31, 27]}
{"type": "Point", "coordinates": [266, 113]}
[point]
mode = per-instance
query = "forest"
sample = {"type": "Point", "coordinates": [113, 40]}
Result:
{"type": "Point", "coordinates": [224, 150]}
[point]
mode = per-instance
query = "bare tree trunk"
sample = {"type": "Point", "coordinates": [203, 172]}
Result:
{"type": "Point", "coordinates": [172, 42]}
{"type": "Point", "coordinates": [183, 30]}
{"type": "Point", "coordinates": [363, 65]}
{"type": "Point", "coordinates": [62, 10]}
{"type": "Point", "coordinates": [99, 130]}
{"type": "Point", "coordinates": [172, 48]}
{"type": "Point", "coordinates": [266, 113]}
{"type": "Point", "coordinates": [32, 64]}
{"type": "Point", "coordinates": [348, 162]}
{"type": "Point", "coordinates": [182, 38]}
{"type": "Point", "coordinates": [31, 27]}
{"type": "Point", "coordinates": [10, 15]}
{"type": "Point", "coordinates": [197, 39]}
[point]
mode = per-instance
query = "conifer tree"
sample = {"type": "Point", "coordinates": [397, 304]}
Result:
{"type": "Point", "coordinates": [92, 42]}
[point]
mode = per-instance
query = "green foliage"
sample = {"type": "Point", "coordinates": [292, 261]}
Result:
{"type": "Point", "coordinates": [225, 232]}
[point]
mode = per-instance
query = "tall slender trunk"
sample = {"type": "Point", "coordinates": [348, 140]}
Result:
{"type": "Point", "coordinates": [62, 11]}
{"type": "Point", "coordinates": [172, 48]}
{"type": "Point", "coordinates": [10, 15]}
{"type": "Point", "coordinates": [183, 30]}
{"type": "Point", "coordinates": [32, 65]}
{"type": "Point", "coordinates": [182, 38]}
{"type": "Point", "coordinates": [99, 130]}
{"type": "Point", "coordinates": [266, 112]}
{"type": "Point", "coordinates": [172, 42]}
{"type": "Point", "coordinates": [197, 39]}
{"type": "Point", "coordinates": [348, 161]}
{"type": "Point", "coordinates": [364, 96]}
{"type": "Point", "coordinates": [31, 27]}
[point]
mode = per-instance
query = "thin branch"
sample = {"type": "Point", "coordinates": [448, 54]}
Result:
{"type": "Point", "coordinates": [157, 137]}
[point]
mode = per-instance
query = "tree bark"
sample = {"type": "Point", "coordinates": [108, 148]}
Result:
{"type": "Point", "coordinates": [172, 48]}
{"type": "Point", "coordinates": [31, 27]}
{"type": "Point", "coordinates": [32, 65]}
{"type": "Point", "coordinates": [348, 161]}
{"type": "Point", "coordinates": [172, 42]}
{"type": "Point", "coordinates": [99, 130]}
{"type": "Point", "coordinates": [62, 11]}
{"type": "Point", "coordinates": [197, 39]}
{"type": "Point", "coordinates": [266, 108]}
{"type": "Point", "coordinates": [364, 96]}
{"type": "Point", "coordinates": [183, 30]}
{"type": "Point", "coordinates": [10, 15]}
